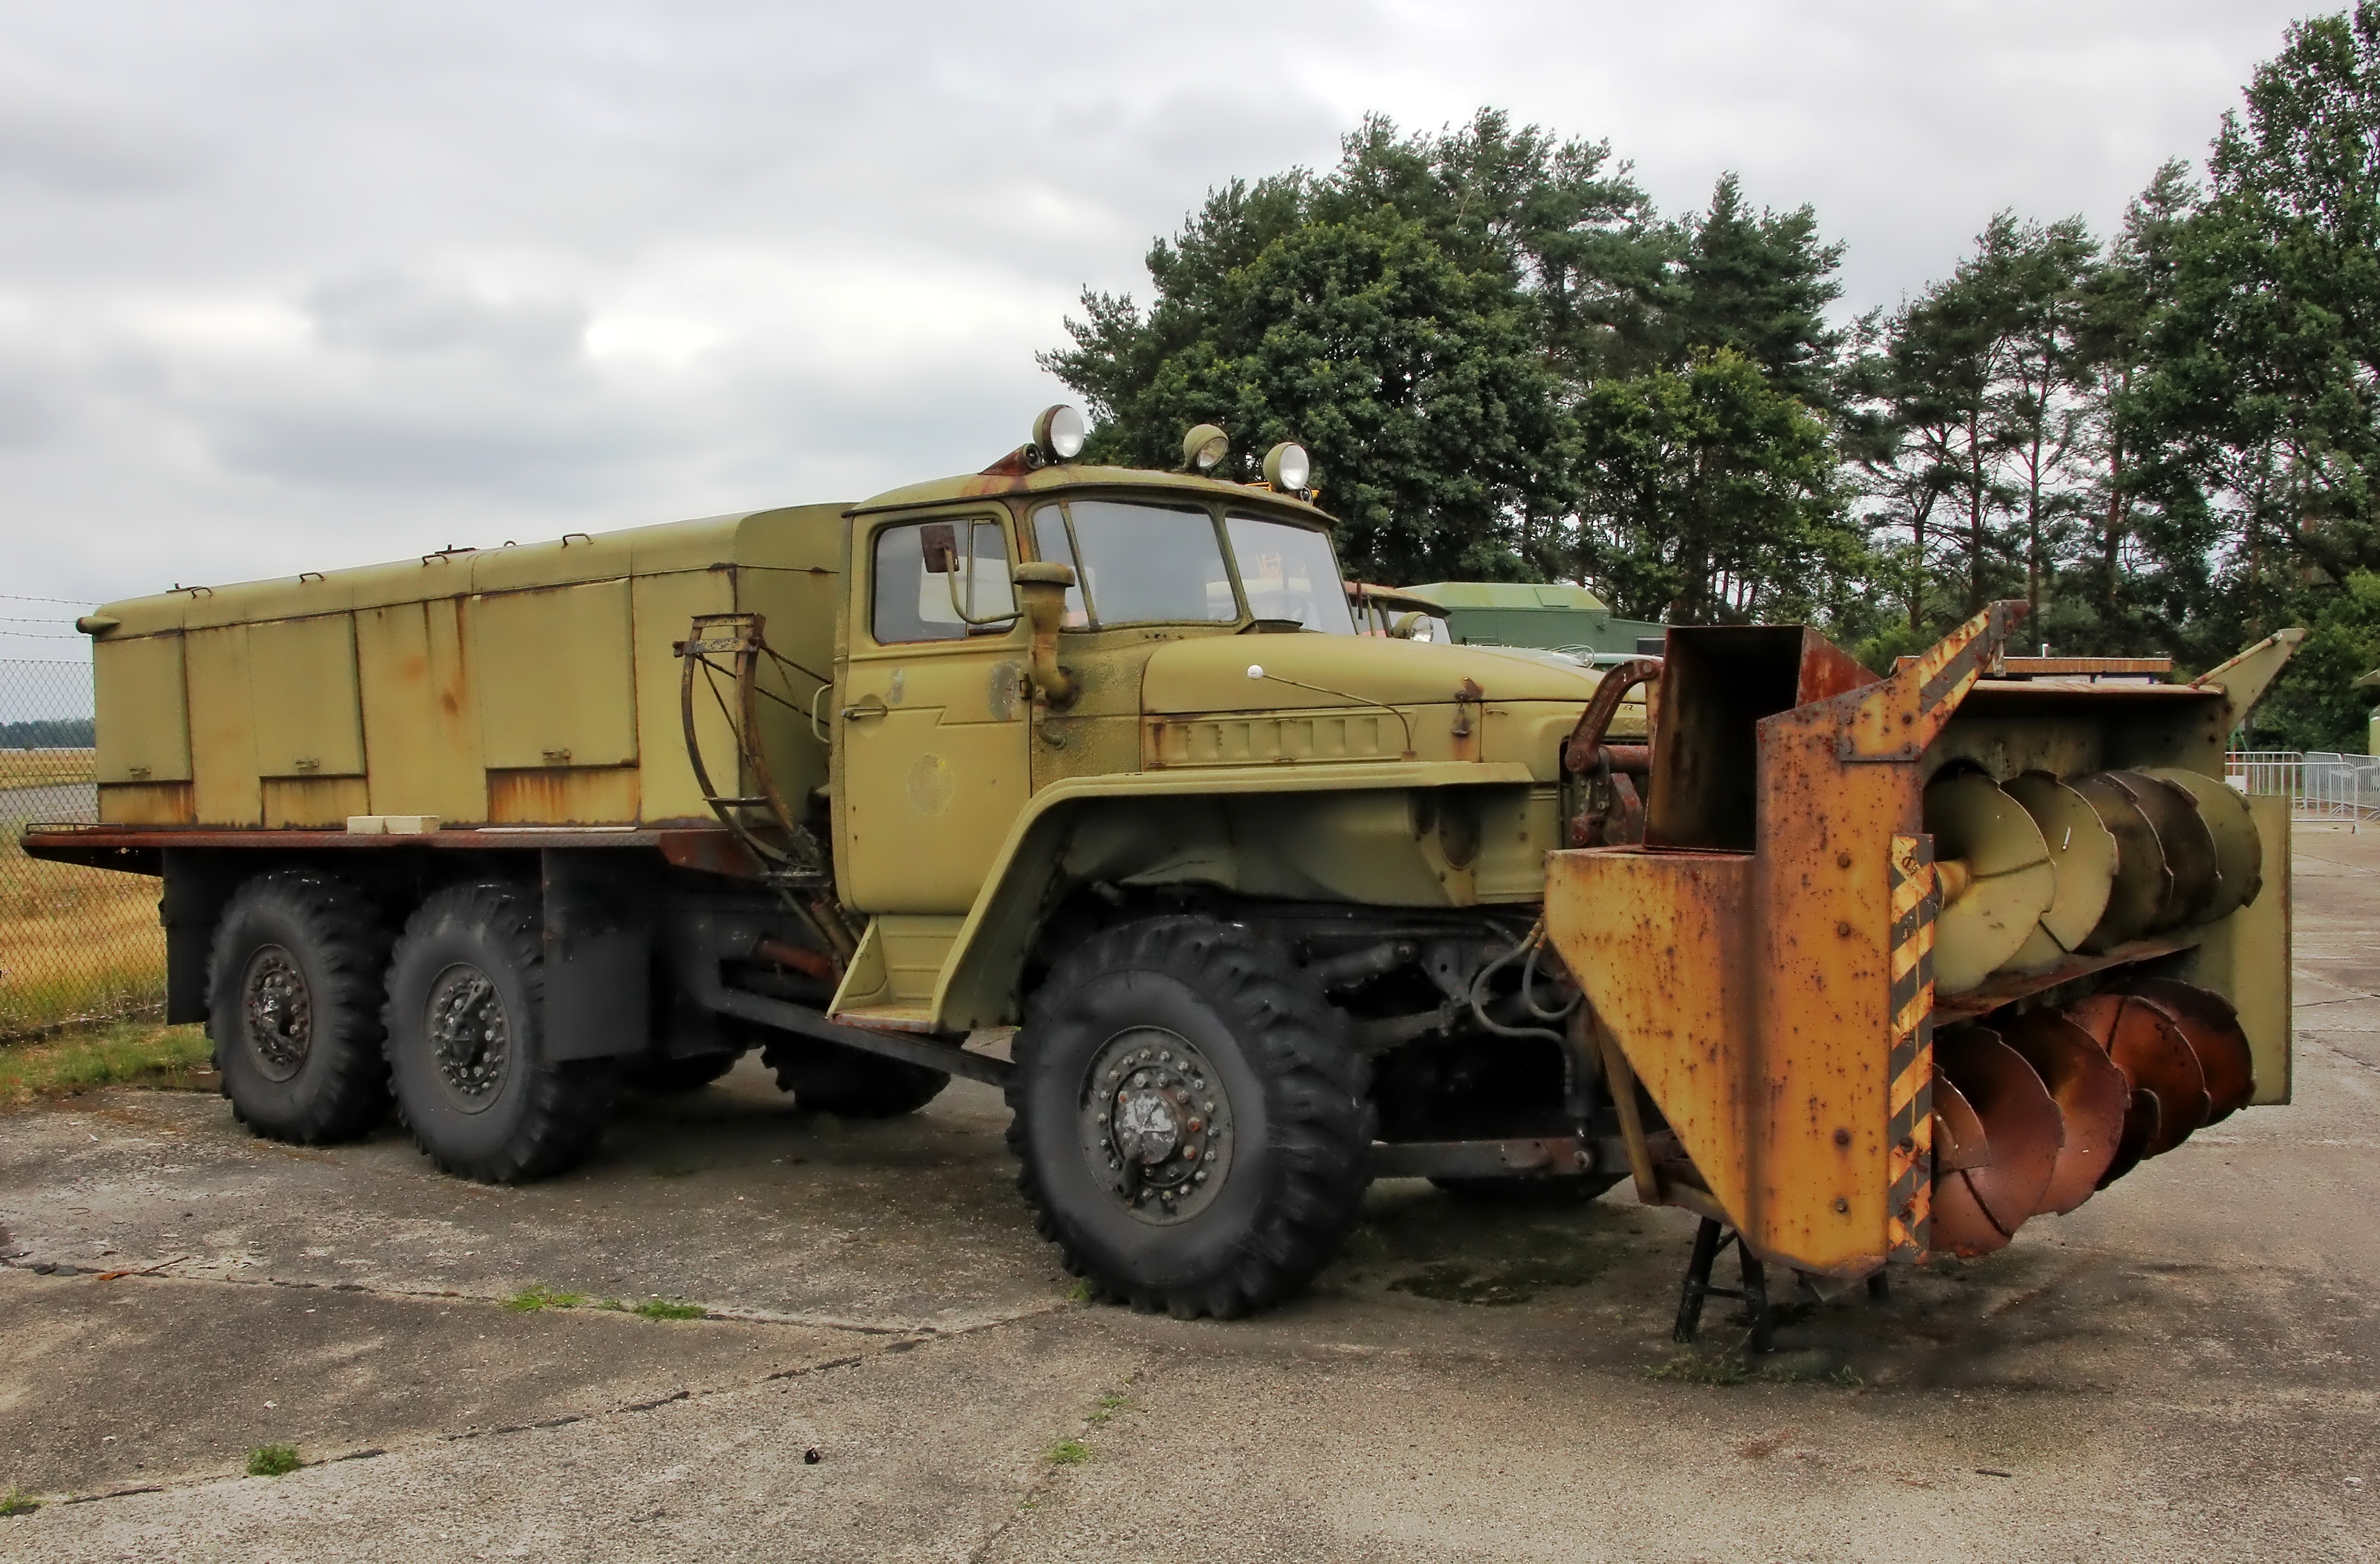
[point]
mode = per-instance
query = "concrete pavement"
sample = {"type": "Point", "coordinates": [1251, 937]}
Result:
{"type": "Point", "coordinates": [2186, 1367]}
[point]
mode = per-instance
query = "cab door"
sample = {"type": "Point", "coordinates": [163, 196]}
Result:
{"type": "Point", "coordinates": [934, 720]}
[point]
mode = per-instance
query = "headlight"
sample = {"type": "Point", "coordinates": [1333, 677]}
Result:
{"type": "Point", "coordinates": [1286, 468]}
{"type": "Point", "coordinates": [1202, 447]}
{"type": "Point", "coordinates": [1058, 433]}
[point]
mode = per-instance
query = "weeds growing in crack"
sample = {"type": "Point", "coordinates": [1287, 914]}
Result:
{"type": "Point", "coordinates": [17, 1501]}
{"type": "Point", "coordinates": [528, 1301]}
{"type": "Point", "coordinates": [1725, 1368]}
{"type": "Point", "coordinates": [670, 1308]}
{"type": "Point", "coordinates": [272, 1460]}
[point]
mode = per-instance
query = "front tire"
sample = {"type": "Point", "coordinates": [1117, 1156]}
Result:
{"type": "Point", "coordinates": [293, 990]}
{"type": "Point", "coordinates": [1190, 1117]}
{"type": "Point", "coordinates": [466, 1043]}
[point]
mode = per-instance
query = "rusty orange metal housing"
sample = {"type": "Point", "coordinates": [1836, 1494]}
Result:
{"type": "Point", "coordinates": [1761, 963]}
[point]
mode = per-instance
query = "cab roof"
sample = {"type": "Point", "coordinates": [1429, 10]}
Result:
{"type": "Point", "coordinates": [1508, 594]}
{"type": "Point", "coordinates": [1006, 480]}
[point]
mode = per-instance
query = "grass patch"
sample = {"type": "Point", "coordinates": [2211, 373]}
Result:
{"type": "Point", "coordinates": [46, 768]}
{"type": "Point", "coordinates": [1083, 1291]}
{"type": "Point", "coordinates": [529, 1300]}
{"type": "Point", "coordinates": [126, 1052]}
{"type": "Point", "coordinates": [1108, 1406]}
{"type": "Point", "coordinates": [1693, 1368]}
{"type": "Point", "coordinates": [17, 1501]}
{"type": "Point", "coordinates": [1725, 1368]}
{"type": "Point", "coordinates": [670, 1308]}
{"type": "Point", "coordinates": [1069, 1452]}
{"type": "Point", "coordinates": [1516, 1281]}
{"type": "Point", "coordinates": [272, 1460]}
{"type": "Point", "coordinates": [76, 943]}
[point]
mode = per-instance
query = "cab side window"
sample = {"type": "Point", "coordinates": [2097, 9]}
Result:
{"type": "Point", "coordinates": [913, 603]}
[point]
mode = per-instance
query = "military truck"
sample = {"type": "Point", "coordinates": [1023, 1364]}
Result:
{"type": "Point", "coordinates": [494, 832]}
{"type": "Point", "coordinates": [1098, 754]}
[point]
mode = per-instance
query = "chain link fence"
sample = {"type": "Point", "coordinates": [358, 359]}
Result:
{"type": "Point", "coordinates": [76, 944]}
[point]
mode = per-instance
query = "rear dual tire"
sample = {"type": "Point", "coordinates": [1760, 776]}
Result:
{"type": "Point", "coordinates": [467, 1055]}
{"type": "Point", "coordinates": [293, 1008]}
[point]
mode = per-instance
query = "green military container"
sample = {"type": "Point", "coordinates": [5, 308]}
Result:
{"type": "Point", "coordinates": [1553, 616]}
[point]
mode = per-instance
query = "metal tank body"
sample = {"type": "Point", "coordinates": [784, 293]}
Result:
{"type": "Point", "coordinates": [530, 686]}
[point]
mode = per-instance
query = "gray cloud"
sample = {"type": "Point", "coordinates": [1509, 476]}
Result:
{"type": "Point", "coordinates": [287, 287]}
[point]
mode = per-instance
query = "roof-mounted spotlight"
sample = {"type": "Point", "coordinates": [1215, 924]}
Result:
{"type": "Point", "coordinates": [1058, 433]}
{"type": "Point", "coordinates": [1202, 447]}
{"type": "Point", "coordinates": [1287, 468]}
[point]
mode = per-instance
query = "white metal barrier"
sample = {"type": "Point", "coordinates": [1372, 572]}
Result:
{"type": "Point", "coordinates": [2321, 787]}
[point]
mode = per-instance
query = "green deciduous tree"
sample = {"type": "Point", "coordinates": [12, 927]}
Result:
{"type": "Point", "coordinates": [1709, 493]}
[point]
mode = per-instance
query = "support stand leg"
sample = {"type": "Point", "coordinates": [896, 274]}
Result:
{"type": "Point", "coordinates": [1756, 1296]}
{"type": "Point", "coordinates": [1697, 1284]}
{"type": "Point", "coordinates": [1710, 1239]}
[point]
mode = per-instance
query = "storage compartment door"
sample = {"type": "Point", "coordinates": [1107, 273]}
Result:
{"type": "Point", "coordinates": [554, 680]}
{"type": "Point", "coordinates": [144, 730]}
{"type": "Point", "coordinates": [303, 688]}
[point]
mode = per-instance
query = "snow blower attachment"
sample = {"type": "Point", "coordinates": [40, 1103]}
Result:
{"type": "Point", "coordinates": [1902, 964]}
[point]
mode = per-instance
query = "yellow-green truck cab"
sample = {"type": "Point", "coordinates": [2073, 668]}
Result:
{"type": "Point", "coordinates": [1094, 752]}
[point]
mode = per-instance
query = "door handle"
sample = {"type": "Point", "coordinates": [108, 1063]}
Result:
{"type": "Point", "coordinates": [866, 706]}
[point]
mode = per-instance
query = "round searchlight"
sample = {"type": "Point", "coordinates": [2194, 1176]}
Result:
{"type": "Point", "coordinates": [1058, 433]}
{"type": "Point", "coordinates": [1202, 447]}
{"type": "Point", "coordinates": [1286, 466]}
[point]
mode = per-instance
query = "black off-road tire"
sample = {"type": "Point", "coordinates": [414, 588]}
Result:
{"type": "Point", "coordinates": [469, 973]}
{"type": "Point", "coordinates": [293, 1008]}
{"type": "Point", "coordinates": [828, 1079]}
{"type": "Point", "coordinates": [666, 1077]}
{"type": "Point", "coordinates": [1296, 1115]}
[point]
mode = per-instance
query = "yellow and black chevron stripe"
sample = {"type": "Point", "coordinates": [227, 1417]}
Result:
{"type": "Point", "coordinates": [1916, 899]}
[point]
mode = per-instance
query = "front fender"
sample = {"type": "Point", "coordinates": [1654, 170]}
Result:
{"type": "Point", "coordinates": [1196, 827]}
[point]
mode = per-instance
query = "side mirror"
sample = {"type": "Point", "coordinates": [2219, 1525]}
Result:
{"type": "Point", "coordinates": [939, 540]}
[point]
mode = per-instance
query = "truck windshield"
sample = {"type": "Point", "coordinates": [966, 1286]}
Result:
{"type": "Point", "coordinates": [1138, 562]}
{"type": "Point", "coordinates": [1142, 563]}
{"type": "Point", "coordinates": [1289, 573]}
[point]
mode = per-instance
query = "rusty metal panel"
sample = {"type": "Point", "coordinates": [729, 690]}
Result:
{"type": "Point", "coordinates": [564, 795]}
{"type": "Point", "coordinates": [146, 804]}
{"type": "Point", "coordinates": [1661, 943]}
{"type": "Point", "coordinates": [301, 682]}
{"type": "Point", "coordinates": [421, 723]}
{"type": "Point", "coordinates": [1824, 1012]}
{"type": "Point", "coordinates": [222, 728]}
{"type": "Point", "coordinates": [552, 671]}
{"type": "Point", "coordinates": [144, 734]}
{"type": "Point", "coordinates": [325, 802]}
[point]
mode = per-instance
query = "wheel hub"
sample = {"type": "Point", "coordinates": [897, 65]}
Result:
{"type": "Point", "coordinates": [1157, 1126]}
{"type": "Point", "coordinates": [279, 1012]}
{"type": "Point", "coordinates": [470, 1036]}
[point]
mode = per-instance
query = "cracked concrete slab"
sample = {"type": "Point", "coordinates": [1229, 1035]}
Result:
{"type": "Point", "coordinates": [727, 1195]}
{"type": "Point", "coordinates": [2188, 1366]}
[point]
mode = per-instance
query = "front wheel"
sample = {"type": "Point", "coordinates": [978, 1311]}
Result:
{"type": "Point", "coordinates": [1190, 1117]}
{"type": "Point", "coordinates": [466, 1043]}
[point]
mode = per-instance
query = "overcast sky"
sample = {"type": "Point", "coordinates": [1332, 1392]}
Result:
{"type": "Point", "coordinates": [292, 286]}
